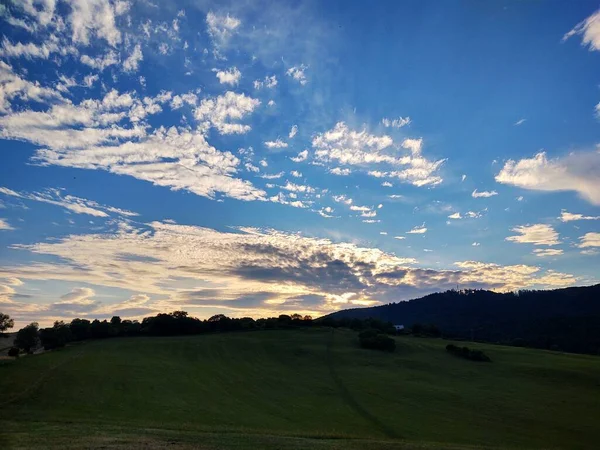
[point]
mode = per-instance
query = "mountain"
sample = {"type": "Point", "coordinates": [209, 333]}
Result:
{"type": "Point", "coordinates": [565, 319]}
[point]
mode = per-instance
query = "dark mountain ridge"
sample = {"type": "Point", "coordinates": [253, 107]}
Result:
{"type": "Point", "coordinates": [565, 319]}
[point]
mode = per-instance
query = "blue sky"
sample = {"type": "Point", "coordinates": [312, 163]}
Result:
{"type": "Point", "coordinates": [257, 158]}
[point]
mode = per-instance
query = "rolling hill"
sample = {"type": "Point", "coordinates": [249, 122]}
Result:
{"type": "Point", "coordinates": [565, 319]}
{"type": "Point", "coordinates": [303, 388]}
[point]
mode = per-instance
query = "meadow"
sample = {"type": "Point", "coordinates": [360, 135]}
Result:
{"type": "Point", "coordinates": [303, 388]}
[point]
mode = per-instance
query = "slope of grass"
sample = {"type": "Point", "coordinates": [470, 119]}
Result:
{"type": "Point", "coordinates": [310, 388]}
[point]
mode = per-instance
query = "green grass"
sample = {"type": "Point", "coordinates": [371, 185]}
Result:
{"type": "Point", "coordinates": [296, 389]}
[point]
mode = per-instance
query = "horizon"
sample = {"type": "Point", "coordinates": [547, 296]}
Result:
{"type": "Point", "coordinates": [220, 158]}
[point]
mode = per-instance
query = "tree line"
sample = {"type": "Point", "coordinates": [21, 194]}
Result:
{"type": "Point", "coordinates": [179, 323]}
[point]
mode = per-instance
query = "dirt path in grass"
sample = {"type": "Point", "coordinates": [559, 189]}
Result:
{"type": "Point", "coordinates": [349, 399]}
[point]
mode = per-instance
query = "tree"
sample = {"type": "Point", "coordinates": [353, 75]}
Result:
{"type": "Point", "coordinates": [28, 337]}
{"type": "Point", "coordinates": [115, 321]}
{"type": "Point", "coordinates": [5, 322]}
{"type": "Point", "coordinates": [217, 318]}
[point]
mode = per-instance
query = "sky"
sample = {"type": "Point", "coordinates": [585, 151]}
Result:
{"type": "Point", "coordinates": [255, 158]}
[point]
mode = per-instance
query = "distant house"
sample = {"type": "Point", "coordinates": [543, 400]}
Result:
{"type": "Point", "coordinates": [399, 327]}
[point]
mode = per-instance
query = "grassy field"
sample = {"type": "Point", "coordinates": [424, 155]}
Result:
{"type": "Point", "coordinates": [310, 388]}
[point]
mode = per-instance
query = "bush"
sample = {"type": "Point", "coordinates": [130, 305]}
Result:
{"type": "Point", "coordinates": [467, 353]}
{"type": "Point", "coordinates": [13, 351]}
{"type": "Point", "coordinates": [374, 340]}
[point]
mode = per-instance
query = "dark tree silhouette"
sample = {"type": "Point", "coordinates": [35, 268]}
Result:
{"type": "Point", "coordinates": [28, 337]}
{"type": "Point", "coordinates": [6, 322]}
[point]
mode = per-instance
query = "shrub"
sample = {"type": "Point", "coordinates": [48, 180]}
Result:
{"type": "Point", "coordinates": [371, 339]}
{"type": "Point", "coordinates": [13, 351]}
{"type": "Point", "coordinates": [467, 353]}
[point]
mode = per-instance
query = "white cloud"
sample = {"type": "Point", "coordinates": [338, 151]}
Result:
{"type": "Point", "coordinates": [221, 28]}
{"type": "Point", "coordinates": [455, 215]}
{"type": "Point", "coordinates": [4, 225]}
{"type": "Point", "coordinates": [418, 230]}
{"type": "Point", "coordinates": [102, 62]}
{"type": "Point", "coordinates": [269, 82]}
{"type": "Point", "coordinates": [298, 188]}
{"type": "Point", "coordinates": [293, 131]}
{"type": "Point", "coordinates": [286, 266]}
{"type": "Point", "coordinates": [463, 178]}
{"type": "Point", "coordinates": [579, 172]}
{"type": "Point", "coordinates": [399, 237]}
{"type": "Point", "coordinates": [272, 176]}
{"type": "Point", "coordinates": [350, 147]}
{"type": "Point", "coordinates": [342, 199]}
{"type": "Point", "coordinates": [483, 194]}
{"type": "Point", "coordinates": [12, 85]}
{"type": "Point", "coordinates": [217, 112]}
{"type": "Point", "coordinates": [131, 64]}
{"type": "Point", "coordinates": [537, 234]}
{"type": "Point", "coordinates": [387, 184]}
{"type": "Point", "coordinates": [589, 240]}
{"type": "Point", "coordinates": [396, 123]}
{"type": "Point", "coordinates": [278, 143]}
{"type": "Point", "coordinates": [94, 18]}
{"type": "Point", "coordinates": [340, 171]}
{"type": "Point", "coordinates": [520, 122]}
{"type": "Point", "coordinates": [231, 76]}
{"type": "Point", "coordinates": [544, 252]}
{"type": "Point", "coordinates": [569, 217]}
{"type": "Point", "coordinates": [589, 28]}
{"type": "Point", "coordinates": [74, 204]}
{"type": "Point", "coordinates": [296, 174]}
{"type": "Point", "coordinates": [475, 244]}
{"type": "Point", "coordinates": [298, 73]}
{"type": "Point", "coordinates": [89, 80]}
{"type": "Point", "coordinates": [302, 156]}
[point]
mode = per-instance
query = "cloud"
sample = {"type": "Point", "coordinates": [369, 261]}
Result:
{"type": "Point", "coordinates": [543, 252]}
{"type": "Point", "coordinates": [131, 64]}
{"type": "Point", "coordinates": [579, 172]}
{"type": "Point", "coordinates": [293, 131]}
{"type": "Point", "coordinates": [110, 58]}
{"type": "Point", "coordinates": [78, 295]}
{"type": "Point", "coordinates": [278, 143]}
{"type": "Point", "coordinates": [298, 73]}
{"type": "Point", "coordinates": [418, 230]}
{"type": "Point", "coordinates": [296, 174]}
{"type": "Point", "coordinates": [569, 217]}
{"type": "Point", "coordinates": [360, 148]}
{"type": "Point", "coordinates": [340, 171]}
{"type": "Point", "coordinates": [399, 237]}
{"type": "Point", "coordinates": [589, 240]}
{"type": "Point", "coordinates": [217, 112]}
{"type": "Point", "coordinates": [302, 156]}
{"type": "Point", "coordinates": [520, 122]}
{"type": "Point", "coordinates": [269, 82]}
{"type": "Point", "coordinates": [221, 27]}
{"type": "Point", "coordinates": [160, 259]}
{"type": "Point", "coordinates": [483, 194]}
{"type": "Point", "coordinates": [94, 18]}
{"type": "Point", "coordinates": [396, 123]}
{"type": "Point", "coordinates": [231, 76]}
{"type": "Point", "coordinates": [74, 204]}
{"type": "Point", "coordinates": [475, 244]}
{"type": "Point", "coordinates": [455, 215]}
{"type": "Point", "coordinates": [463, 178]}
{"type": "Point", "coordinates": [12, 85]}
{"type": "Point", "coordinates": [4, 225]}
{"type": "Point", "coordinates": [589, 28]}
{"type": "Point", "coordinates": [537, 234]}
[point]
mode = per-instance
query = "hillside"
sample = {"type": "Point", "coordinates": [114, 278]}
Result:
{"type": "Point", "coordinates": [567, 319]}
{"type": "Point", "coordinates": [306, 388]}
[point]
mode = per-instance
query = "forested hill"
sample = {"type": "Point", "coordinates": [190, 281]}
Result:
{"type": "Point", "coordinates": [566, 319]}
